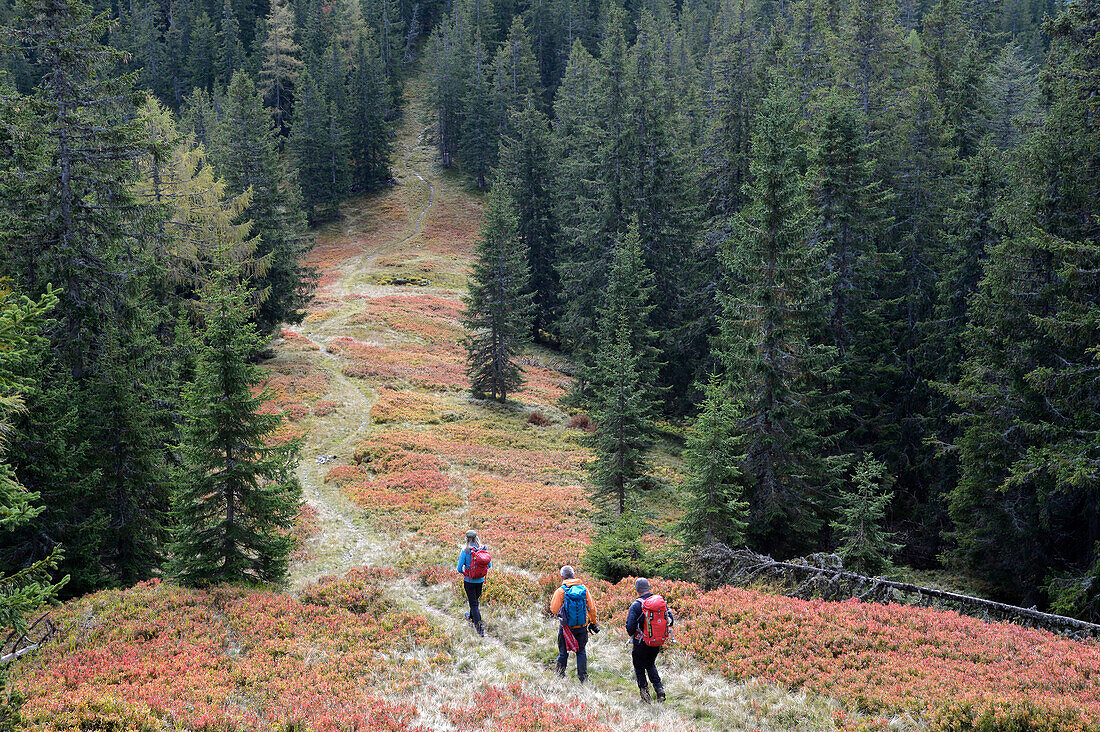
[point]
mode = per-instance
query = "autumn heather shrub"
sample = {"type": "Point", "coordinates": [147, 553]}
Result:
{"type": "Point", "coordinates": [956, 673]}
{"type": "Point", "coordinates": [360, 590]}
{"type": "Point", "coordinates": [306, 526]}
{"type": "Point", "coordinates": [507, 589]}
{"type": "Point", "coordinates": [511, 709]}
{"type": "Point", "coordinates": [393, 405]}
{"type": "Point", "coordinates": [324, 408]}
{"type": "Point", "coordinates": [226, 659]}
{"type": "Point", "coordinates": [296, 411]}
{"type": "Point", "coordinates": [297, 342]}
{"type": "Point", "coordinates": [381, 455]}
{"type": "Point", "coordinates": [435, 574]}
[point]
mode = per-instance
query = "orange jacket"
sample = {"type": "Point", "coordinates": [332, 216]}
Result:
{"type": "Point", "coordinates": [559, 598]}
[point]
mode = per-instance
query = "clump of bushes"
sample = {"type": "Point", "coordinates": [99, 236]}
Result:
{"type": "Point", "coordinates": [538, 419]}
{"type": "Point", "coordinates": [581, 422]}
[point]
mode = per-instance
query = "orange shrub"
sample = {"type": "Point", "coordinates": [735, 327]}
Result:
{"type": "Point", "coordinates": [157, 656]}
{"type": "Point", "coordinates": [581, 422]}
{"type": "Point", "coordinates": [406, 406]}
{"type": "Point", "coordinates": [511, 709]}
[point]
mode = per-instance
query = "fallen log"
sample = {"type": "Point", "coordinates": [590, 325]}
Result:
{"type": "Point", "coordinates": [19, 644]}
{"type": "Point", "coordinates": [823, 575]}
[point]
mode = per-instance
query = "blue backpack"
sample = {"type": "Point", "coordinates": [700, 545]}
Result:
{"type": "Point", "coordinates": [574, 609]}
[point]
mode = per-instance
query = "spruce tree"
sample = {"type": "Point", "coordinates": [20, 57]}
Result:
{"type": "Point", "coordinates": [281, 61]}
{"type": "Point", "coordinates": [230, 49]}
{"type": "Point", "coordinates": [245, 154]}
{"type": "Point", "coordinates": [849, 206]}
{"type": "Point", "coordinates": [320, 152]}
{"type": "Point", "coordinates": [238, 495]}
{"type": "Point", "coordinates": [1025, 507]}
{"type": "Point", "coordinates": [202, 53]}
{"type": "Point", "coordinates": [656, 188]}
{"type": "Point", "coordinates": [733, 96]}
{"type": "Point", "coordinates": [771, 338]}
{"type": "Point", "coordinates": [26, 587]}
{"type": "Point", "coordinates": [1012, 98]}
{"type": "Point", "coordinates": [75, 223]}
{"type": "Point", "coordinates": [526, 173]}
{"type": "Point", "coordinates": [479, 141]}
{"type": "Point", "coordinates": [445, 55]}
{"type": "Point", "coordinates": [624, 418]}
{"type": "Point", "coordinates": [715, 485]}
{"type": "Point", "coordinates": [577, 198]}
{"type": "Point", "coordinates": [498, 304]}
{"type": "Point", "coordinates": [865, 546]}
{"type": "Point", "coordinates": [370, 135]}
{"type": "Point", "coordinates": [515, 76]}
{"type": "Point", "coordinates": [628, 304]}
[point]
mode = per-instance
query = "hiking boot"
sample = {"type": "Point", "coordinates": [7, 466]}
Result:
{"type": "Point", "coordinates": [660, 690]}
{"type": "Point", "coordinates": [466, 615]}
{"type": "Point", "coordinates": [481, 630]}
{"type": "Point", "coordinates": [644, 694]}
{"type": "Point", "coordinates": [582, 679]}
{"type": "Point", "coordinates": [559, 670]}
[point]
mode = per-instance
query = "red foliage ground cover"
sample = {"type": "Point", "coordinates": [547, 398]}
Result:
{"type": "Point", "coordinates": [306, 526]}
{"type": "Point", "coordinates": [955, 672]}
{"type": "Point", "coordinates": [227, 659]}
{"type": "Point", "coordinates": [511, 709]}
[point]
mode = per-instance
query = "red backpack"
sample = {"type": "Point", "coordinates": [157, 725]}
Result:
{"type": "Point", "coordinates": [653, 629]}
{"type": "Point", "coordinates": [479, 563]}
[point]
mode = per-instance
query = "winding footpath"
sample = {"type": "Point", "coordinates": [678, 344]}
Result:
{"type": "Point", "coordinates": [521, 645]}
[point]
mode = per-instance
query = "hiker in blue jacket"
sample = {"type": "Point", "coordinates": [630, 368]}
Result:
{"type": "Point", "coordinates": [644, 657]}
{"type": "Point", "coordinates": [473, 578]}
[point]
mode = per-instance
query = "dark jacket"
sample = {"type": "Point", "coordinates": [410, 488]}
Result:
{"type": "Point", "coordinates": [634, 617]}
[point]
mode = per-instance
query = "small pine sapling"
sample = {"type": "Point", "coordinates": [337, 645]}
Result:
{"type": "Point", "coordinates": [715, 486]}
{"type": "Point", "coordinates": [865, 546]}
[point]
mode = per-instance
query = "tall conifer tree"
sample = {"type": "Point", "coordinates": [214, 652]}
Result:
{"type": "Point", "coordinates": [526, 173]}
{"type": "Point", "coordinates": [772, 349]}
{"type": "Point", "coordinates": [238, 495]}
{"type": "Point", "coordinates": [498, 304]}
{"type": "Point", "coordinates": [245, 154]}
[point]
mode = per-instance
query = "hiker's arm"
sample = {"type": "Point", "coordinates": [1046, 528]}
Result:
{"type": "Point", "coordinates": [593, 618]}
{"type": "Point", "coordinates": [556, 601]}
{"type": "Point", "coordinates": [461, 562]}
{"type": "Point", "coordinates": [633, 617]}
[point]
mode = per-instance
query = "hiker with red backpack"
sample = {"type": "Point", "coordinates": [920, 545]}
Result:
{"type": "Point", "coordinates": [573, 604]}
{"type": "Point", "coordinates": [473, 564]}
{"type": "Point", "coordinates": [648, 624]}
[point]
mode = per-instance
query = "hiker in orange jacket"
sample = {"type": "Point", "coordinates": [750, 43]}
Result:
{"type": "Point", "coordinates": [573, 603]}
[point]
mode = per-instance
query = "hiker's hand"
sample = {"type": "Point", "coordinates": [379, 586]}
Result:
{"type": "Point", "coordinates": [593, 628]}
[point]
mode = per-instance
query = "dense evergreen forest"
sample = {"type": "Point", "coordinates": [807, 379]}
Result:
{"type": "Point", "coordinates": [160, 165]}
{"type": "Point", "coordinates": [855, 242]}
{"type": "Point", "coordinates": [855, 245]}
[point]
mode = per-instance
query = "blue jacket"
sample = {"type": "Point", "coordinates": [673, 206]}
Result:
{"type": "Point", "coordinates": [634, 617]}
{"type": "Point", "coordinates": [464, 560]}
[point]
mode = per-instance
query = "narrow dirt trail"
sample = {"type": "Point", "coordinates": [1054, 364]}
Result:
{"type": "Point", "coordinates": [345, 540]}
{"type": "Point", "coordinates": [521, 645]}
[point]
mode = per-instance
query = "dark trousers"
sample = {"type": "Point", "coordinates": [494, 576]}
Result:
{"type": "Point", "coordinates": [645, 662]}
{"type": "Point", "coordinates": [581, 634]}
{"type": "Point", "coordinates": [473, 594]}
